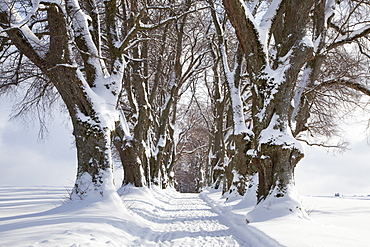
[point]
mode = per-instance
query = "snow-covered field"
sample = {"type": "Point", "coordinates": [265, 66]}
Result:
{"type": "Point", "coordinates": [37, 216]}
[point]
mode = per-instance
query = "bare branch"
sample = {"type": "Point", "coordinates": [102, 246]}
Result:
{"type": "Point", "coordinates": [350, 37]}
{"type": "Point", "coordinates": [342, 146]}
{"type": "Point", "coordinates": [351, 84]}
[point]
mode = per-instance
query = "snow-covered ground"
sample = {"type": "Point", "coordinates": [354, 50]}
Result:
{"type": "Point", "coordinates": [37, 216]}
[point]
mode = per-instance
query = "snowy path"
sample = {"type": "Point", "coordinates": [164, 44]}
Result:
{"type": "Point", "coordinates": [186, 220]}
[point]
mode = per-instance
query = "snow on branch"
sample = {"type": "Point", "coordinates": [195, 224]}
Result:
{"type": "Point", "coordinates": [253, 35]}
{"type": "Point", "coordinates": [18, 22]}
{"type": "Point", "coordinates": [273, 135]}
{"type": "Point", "coordinates": [350, 37]}
{"type": "Point", "coordinates": [231, 77]}
{"type": "Point", "coordinates": [329, 10]}
{"type": "Point", "coordinates": [35, 7]}
{"type": "Point", "coordinates": [247, 31]}
{"type": "Point", "coordinates": [82, 32]}
{"type": "Point", "coordinates": [194, 150]}
{"type": "Point", "coordinates": [21, 34]}
{"type": "Point", "coordinates": [266, 24]}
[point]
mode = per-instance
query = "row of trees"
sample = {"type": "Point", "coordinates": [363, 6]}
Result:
{"type": "Point", "coordinates": [227, 87]}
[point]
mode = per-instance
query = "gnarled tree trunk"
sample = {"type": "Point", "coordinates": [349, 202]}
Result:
{"type": "Point", "coordinates": [273, 77]}
{"type": "Point", "coordinates": [89, 92]}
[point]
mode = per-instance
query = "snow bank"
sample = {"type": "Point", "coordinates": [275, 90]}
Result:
{"type": "Point", "coordinates": [92, 222]}
{"type": "Point", "coordinates": [36, 216]}
{"type": "Point", "coordinates": [288, 206]}
{"type": "Point", "coordinates": [333, 221]}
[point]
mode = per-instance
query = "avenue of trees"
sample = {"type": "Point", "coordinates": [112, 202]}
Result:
{"type": "Point", "coordinates": [189, 93]}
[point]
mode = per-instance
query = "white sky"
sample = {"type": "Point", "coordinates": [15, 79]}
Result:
{"type": "Point", "coordinates": [324, 172]}
{"type": "Point", "coordinates": [26, 161]}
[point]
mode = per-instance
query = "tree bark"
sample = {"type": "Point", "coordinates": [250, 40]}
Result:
{"type": "Point", "coordinates": [93, 142]}
{"type": "Point", "coordinates": [92, 126]}
{"type": "Point", "coordinates": [275, 151]}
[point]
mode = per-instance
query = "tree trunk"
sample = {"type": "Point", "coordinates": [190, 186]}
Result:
{"type": "Point", "coordinates": [273, 77]}
{"type": "Point", "coordinates": [93, 143]}
{"type": "Point", "coordinates": [132, 169]}
{"type": "Point", "coordinates": [241, 165]}
{"type": "Point", "coordinates": [130, 159]}
{"type": "Point", "coordinates": [275, 169]}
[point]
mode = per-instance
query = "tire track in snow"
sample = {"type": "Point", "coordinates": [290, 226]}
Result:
{"type": "Point", "coordinates": [184, 220]}
{"type": "Point", "coordinates": [248, 233]}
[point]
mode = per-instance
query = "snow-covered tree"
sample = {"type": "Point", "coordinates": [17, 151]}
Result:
{"type": "Point", "coordinates": [112, 60]}
{"type": "Point", "coordinates": [280, 39]}
{"type": "Point", "coordinates": [64, 40]}
{"type": "Point", "coordinates": [81, 48]}
{"type": "Point", "coordinates": [337, 74]}
{"type": "Point", "coordinates": [109, 61]}
{"type": "Point", "coordinates": [160, 70]}
{"type": "Point", "coordinates": [236, 169]}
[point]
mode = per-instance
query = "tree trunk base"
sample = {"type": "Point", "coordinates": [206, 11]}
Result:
{"type": "Point", "coordinates": [88, 188]}
{"type": "Point", "coordinates": [273, 206]}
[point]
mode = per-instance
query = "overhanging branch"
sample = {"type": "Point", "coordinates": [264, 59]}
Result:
{"type": "Point", "coordinates": [339, 146]}
{"type": "Point", "coordinates": [350, 37]}
{"type": "Point", "coordinates": [351, 84]}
